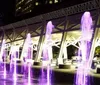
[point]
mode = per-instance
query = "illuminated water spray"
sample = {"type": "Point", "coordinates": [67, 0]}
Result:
{"type": "Point", "coordinates": [29, 74]}
{"type": "Point", "coordinates": [27, 54]}
{"type": "Point", "coordinates": [83, 69]}
{"type": "Point", "coordinates": [14, 56]}
{"type": "Point", "coordinates": [2, 50]}
{"type": "Point", "coordinates": [27, 48]}
{"type": "Point", "coordinates": [48, 76]}
{"type": "Point", "coordinates": [45, 78]}
{"type": "Point", "coordinates": [47, 55]}
{"type": "Point", "coordinates": [47, 48]}
{"type": "Point", "coordinates": [3, 56]}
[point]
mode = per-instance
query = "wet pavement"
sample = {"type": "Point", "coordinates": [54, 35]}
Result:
{"type": "Point", "coordinates": [21, 80]}
{"type": "Point", "coordinates": [40, 76]}
{"type": "Point", "coordinates": [36, 76]}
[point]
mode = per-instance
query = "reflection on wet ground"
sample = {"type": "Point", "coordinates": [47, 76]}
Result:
{"type": "Point", "coordinates": [21, 80]}
{"type": "Point", "coordinates": [37, 77]}
{"type": "Point", "coordinates": [41, 76]}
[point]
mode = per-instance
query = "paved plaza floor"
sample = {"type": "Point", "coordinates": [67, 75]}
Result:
{"type": "Point", "coordinates": [42, 76]}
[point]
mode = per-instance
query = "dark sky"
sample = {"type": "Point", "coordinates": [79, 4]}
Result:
{"type": "Point", "coordinates": [7, 8]}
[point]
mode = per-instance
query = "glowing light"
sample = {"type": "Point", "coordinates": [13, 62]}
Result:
{"type": "Point", "coordinates": [36, 3]}
{"type": "Point", "coordinates": [56, 1]}
{"type": "Point", "coordinates": [50, 2]}
{"type": "Point", "coordinates": [19, 8]}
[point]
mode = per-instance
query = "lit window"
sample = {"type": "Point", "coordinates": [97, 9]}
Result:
{"type": "Point", "coordinates": [56, 1]}
{"type": "Point", "coordinates": [50, 2]}
{"type": "Point", "coordinates": [19, 8]}
{"type": "Point", "coordinates": [30, 10]}
{"type": "Point", "coordinates": [28, 1]}
{"type": "Point", "coordinates": [36, 3]}
{"type": "Point", "coordinates": [22, 0]}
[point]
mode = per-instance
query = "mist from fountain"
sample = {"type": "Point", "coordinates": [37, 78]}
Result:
{"type": "Point", "coordinates": [82, 77]}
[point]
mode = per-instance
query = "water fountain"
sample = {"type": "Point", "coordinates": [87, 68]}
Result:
{"type": "Point", "coordinates": [47, 56]}
{"type": "Point", "coordinates": [85, 46]}
{"type": "Point", "coordinates": [47, 47]}
{"type": "Point", "coordinates": [29, 74]}
{"type": "Point", "coordinates": [27, 54]}
{"type": "Point", "coordinates": [2, 50]}
{"type": "Point", "coordinates": [3, 57]}
{"type": "Point", "coordinates": [27, 49]}
{"type": "Point", "coordinates": [45, 78]}
{"type": "Point", "coordinates": [14, 57]}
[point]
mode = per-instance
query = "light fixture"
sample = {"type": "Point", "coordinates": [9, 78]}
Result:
{"type": "Point", "coordinates": [36, 3]}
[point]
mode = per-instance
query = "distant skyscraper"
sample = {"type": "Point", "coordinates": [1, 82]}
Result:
{"type": "Point", "coordinates": [26, 6]}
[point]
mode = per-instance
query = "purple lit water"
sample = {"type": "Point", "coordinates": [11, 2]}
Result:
{"type": "Point", "coordinates": [3, 56]}
{"type": "Point", "coordinates": [29, 74]}
{"type": "Point", "coordinates": [13, 69]}
{"type": "Point", "coordinates": [47, 47]}
{"type": "Point", "coordinates": [27, 50]}
{"type": "Point", "coordinates": [82, 77]}
{"type": "Point", "coordinates": [45, 77]}
{"type": "Point", "coordinates": [47, 54]}
{"type": "Point", "coordinates": [27, 56]}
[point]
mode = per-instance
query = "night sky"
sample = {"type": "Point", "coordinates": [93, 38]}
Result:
{"type": "Point", "coordinates": [7, 10]}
